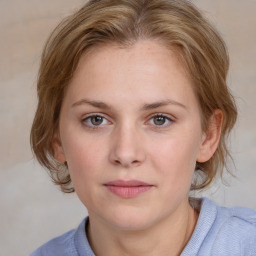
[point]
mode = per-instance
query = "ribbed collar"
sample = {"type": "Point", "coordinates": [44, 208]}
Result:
{"type": "Point", "coordinates": [207, 216]}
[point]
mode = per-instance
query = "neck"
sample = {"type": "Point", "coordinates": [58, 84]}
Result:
{"type": "Point", "coordinates": [167, 237]}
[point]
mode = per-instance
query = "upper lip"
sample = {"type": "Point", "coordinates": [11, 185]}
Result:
{"type": "Point", "coordinates": [127, 183]}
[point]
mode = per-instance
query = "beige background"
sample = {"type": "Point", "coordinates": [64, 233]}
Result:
{"type": "Point", "coordinates": [32, 209]}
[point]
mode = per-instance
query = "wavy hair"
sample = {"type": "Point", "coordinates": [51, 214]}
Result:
{"type": "Point", "coordinates": [177, 23]}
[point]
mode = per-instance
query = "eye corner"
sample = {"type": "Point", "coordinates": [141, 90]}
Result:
{"type": "Point", "coordinates": [164, 120]}
{"type": "Point", "coordinates": [100, 122]}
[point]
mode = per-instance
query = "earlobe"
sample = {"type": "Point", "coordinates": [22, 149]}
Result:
{"type": "Point", "coordinates": [58, 149]}
{"type": "Point", "coordinates": [211, 137]}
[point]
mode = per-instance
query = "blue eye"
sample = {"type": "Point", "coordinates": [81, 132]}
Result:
{"type": "Point", "coordinates": [160, 120]}
{"type": "Point", "coordinates": [95, 120]}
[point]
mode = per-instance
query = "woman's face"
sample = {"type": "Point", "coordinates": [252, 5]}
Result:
{"type": "Point", "coordinates": [130, 131]}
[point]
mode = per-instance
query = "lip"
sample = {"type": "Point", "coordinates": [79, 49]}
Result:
{"type": "Point", "coordinates": [128, 188]}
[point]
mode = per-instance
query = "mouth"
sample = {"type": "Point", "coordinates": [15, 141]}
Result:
{"type": "Point", "coordinates": [128, 189]}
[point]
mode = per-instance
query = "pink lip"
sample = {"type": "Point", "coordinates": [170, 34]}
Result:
{"type": "Point", "coordinates": [129, 188]}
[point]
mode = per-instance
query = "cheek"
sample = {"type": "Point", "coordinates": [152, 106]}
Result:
{"type": "Point", "coordinates": [175, 157]}
{"type": "Point", "coordinates": [84, 162]}
{"type": "Point", "coordinates": [83, 157]}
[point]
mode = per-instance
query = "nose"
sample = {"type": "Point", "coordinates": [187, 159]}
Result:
{"type": "Point", "coordinates": [127, 148]}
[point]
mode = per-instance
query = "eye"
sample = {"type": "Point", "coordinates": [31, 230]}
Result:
{"type": "Point", "coordinates": [160, 120]}
{"type": "Point", "coordinates": [95, 120]}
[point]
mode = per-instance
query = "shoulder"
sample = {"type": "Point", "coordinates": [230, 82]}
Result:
{"type": "Point", "coordinates": [72, 243]}
{"type": "Point", "coordinates": [222, 215]}
{"type": "Point", "coordinates": [233, 231]}
{"type": "Point", "coordinates": [222, 231]}
{"type": "Point", "coordinates": [237, 219]}
{"type": "Point", "coordinates": [60, 246]}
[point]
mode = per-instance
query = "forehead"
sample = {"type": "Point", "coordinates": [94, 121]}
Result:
{"type": "Point", "coordinates": [147, 71]}
{"type": "Point", "coordinates": [141, 53]}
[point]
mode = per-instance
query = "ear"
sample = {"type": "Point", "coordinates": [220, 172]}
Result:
{"type": "Point", "coordinates": [211, 137]}
{"type": "Point", "coordinates": [58, 149]}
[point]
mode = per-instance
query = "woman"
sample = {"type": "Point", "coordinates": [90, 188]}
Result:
{"type": "Point", "coordinates": [133, 114]}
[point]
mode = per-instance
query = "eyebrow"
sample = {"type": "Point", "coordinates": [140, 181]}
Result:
{"type": "Point", "coordinates": [145, 107]}
{"type": "Point", "coordinates": [161, 104]}
{"type": "Point", "coordinates": [97, 104]}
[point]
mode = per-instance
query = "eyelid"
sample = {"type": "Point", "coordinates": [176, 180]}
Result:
{"type": "Point", "coordinates": [87, 116]}
{"type": "Point", "coordinates": [170, 118]}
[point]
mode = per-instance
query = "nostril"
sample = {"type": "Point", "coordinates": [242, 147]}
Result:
{"type": "Point", "coordinates": [126, 163]}
{"type": "Point", "coordinates": [117, 162]}
{"type": "Point", "coordinates": [126, 156]}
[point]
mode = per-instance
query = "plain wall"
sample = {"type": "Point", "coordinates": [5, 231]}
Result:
{"type": "Point", "coordinates": [32, 209]}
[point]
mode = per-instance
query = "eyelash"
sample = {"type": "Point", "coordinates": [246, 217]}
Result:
{"type": "Point", "coordinates": [91, 126]}
{"type": "Point", "coordinates": [89, 117]}
{"type": "Point", "coordinates": [166, 117]}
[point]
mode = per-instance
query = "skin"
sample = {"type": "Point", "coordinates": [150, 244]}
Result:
{"type": "Point", "coordinates": [130, 143]}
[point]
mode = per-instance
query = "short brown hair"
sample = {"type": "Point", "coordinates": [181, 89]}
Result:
{"type": "Point", "coordinates": [177, 23]}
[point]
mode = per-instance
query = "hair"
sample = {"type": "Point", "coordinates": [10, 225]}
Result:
{"type": "Point", "coordinates": [176, 23]}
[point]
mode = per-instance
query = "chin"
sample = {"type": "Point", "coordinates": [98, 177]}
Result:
{"type": "Point", "coordinates": [131, 220]}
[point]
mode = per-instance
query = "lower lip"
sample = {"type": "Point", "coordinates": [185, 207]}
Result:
{"type": "Point", "coordinates": [128, 192]}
